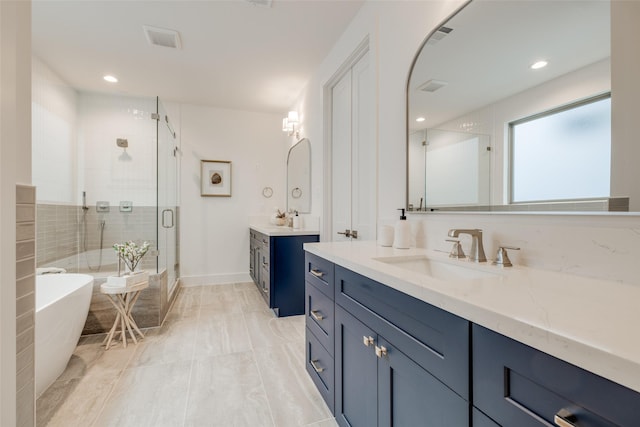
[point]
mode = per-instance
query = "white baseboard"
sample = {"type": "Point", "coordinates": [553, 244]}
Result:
{"type": "Point", "coordinates": [214, 279]}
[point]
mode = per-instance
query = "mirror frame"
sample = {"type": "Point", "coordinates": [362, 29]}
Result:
{"type": "Point", "coordinates": [299, 143]}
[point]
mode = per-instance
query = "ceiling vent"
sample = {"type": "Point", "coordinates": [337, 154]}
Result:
{"type": "Point", "coordinates": [432, 85]}
{"type": "Point", "coordinates": [162, 37]}
{"type": "Point", "coordinates": [439, 35]}
{"type": "Point", "coordinates": [261, 3]}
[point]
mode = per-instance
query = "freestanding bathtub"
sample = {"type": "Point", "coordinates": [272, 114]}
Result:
{"type": "Point", "coordinates": [62, 305]}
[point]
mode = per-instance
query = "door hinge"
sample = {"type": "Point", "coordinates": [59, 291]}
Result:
{"type": "Point", "coordinates": [155, 116]}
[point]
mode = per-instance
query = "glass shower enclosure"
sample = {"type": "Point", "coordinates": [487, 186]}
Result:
{"type": "Point", "coordinates": [106, 168]}
{"type": "Point", "coordinates": [168, 258]}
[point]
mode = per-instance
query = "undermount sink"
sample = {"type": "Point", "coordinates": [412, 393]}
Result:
{"type": "Point", "coordinates": [437, 269]}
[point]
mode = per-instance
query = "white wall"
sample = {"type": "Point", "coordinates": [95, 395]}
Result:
{"type": "Point", "coordinates": [15, 167]}
{"type": "Point", "coordinates": [597, 246]}
{"type": "Point", "coordinates": [214, 233]}
{"type": "Point", "coordinates": [54, 141]}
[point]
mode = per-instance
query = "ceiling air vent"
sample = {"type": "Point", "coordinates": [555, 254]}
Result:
{"type": "Point", "coordinates": [439, 35]}
{"type": "Point", "coordinates": [432, 85]}
{"type": "Point", "coordinates": [162, 37]}
{"type": "Point", "coordinates": [262, 3]}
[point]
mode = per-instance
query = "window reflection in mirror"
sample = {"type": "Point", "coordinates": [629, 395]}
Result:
{"type": "Point", "coordinates": [562, 155]}
{"type": "Point", "coordinates": [299, 177]}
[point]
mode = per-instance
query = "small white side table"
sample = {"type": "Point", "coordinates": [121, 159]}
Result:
{"type": "Point", "coordinates": [123, 299]}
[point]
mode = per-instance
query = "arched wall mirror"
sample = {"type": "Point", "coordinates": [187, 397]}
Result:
{"type": "Point", "coordinates": [487, 132]}
{"type": "Point", "coordinates": [299, 177]}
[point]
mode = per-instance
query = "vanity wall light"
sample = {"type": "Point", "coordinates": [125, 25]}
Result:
{"type": "Point", "coordinates": [289, 124]}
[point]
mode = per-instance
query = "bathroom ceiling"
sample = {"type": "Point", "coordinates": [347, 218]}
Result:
{"type": "Point", "coordinates": [234, 54]}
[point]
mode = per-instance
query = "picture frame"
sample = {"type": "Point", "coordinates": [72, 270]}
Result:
{"type": "Point", "coordinates": [215, 178]}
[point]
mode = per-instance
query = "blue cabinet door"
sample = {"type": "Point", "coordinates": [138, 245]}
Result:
{"type": "Point", "coordinates": [356, 373]}
{"type": "Point", "coordinates": [410, 396]}
{"type": "Point", "coordinates": [517, 385]}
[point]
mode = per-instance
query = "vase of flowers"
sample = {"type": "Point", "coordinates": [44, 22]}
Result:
{"type": "Point", "coordinates": [130, 254]}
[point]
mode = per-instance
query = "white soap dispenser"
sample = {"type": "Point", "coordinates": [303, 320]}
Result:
{"type": "Point", "coordinates": [402, 233]}
{"type": "Point", "coordinates": [296, 221]}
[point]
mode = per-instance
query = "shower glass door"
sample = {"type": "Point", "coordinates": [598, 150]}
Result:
{"type": "Point", "coordinates": [168, 255]}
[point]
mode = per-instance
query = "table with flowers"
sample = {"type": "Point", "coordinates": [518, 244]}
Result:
{"type": "Point", "coordinates": [124, 290]}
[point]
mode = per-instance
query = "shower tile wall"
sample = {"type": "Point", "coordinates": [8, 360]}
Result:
{"type": "Point", "coordinates": [60, 234]}
{"type": "Point", "coordinates": [56, 232]}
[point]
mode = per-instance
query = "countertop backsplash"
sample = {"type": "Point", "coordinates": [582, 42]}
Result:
{"type": "Point", "coordinates": [599, 246]}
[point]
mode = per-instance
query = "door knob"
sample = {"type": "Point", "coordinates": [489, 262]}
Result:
{"type": "Point", "coordinates": [346, 233]}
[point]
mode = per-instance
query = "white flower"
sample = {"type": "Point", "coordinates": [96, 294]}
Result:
{"type": "Point", "coordinates": [130, 253]}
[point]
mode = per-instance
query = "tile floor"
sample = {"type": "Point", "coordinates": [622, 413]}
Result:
{"type": "Point", "coordinates": [221, 358]}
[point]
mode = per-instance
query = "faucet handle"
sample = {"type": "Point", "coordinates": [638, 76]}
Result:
{"type": "Point", "coordinates": [502, 258]}
{"type": "Point", "coordinates": [456, 250]}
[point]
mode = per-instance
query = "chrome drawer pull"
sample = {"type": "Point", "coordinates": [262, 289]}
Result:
{"type": "Point", "coordinates": [317, 368]}
{"type": "Point", "coordinates": [315, 315]}
{"type": "Point", "coordinates": [564, 418]}
{"type": "Point", "coordinates": [368, 341]}
{"type": "Point", "coordinates": [317, 273]}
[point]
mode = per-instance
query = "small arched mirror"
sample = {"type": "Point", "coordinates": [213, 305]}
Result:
{"type": "Point", "coordinates": [299, 177]}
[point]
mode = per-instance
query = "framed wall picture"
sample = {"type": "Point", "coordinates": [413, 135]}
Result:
{"type": "Point", "coordinates": [215, 178]}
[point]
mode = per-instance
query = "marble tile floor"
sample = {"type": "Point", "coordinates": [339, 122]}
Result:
{"type": "Point", "coordinates": [221, 358]}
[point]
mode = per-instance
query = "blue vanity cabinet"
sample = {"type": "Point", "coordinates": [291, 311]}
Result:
{"type": "Point", "coordinates": [287, 275]}
{"type": "Point", "coordinates": [478, 419]}
{"type": "Point", "coordinates": [398, 360]}
{"type": "Point", "coordinates": [516, 385]}
{"type": "Point", "coordinates": [378, 385]}
{"type": "Point", "coordinates": [277, 270]}
{"type": "Point", "coordinates": [319, 321]}
{"type": "Point", "coordinates": [435, 339]}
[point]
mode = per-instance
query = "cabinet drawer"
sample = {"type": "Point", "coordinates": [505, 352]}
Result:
{"type": "Point", "coordinates": [435, 339]}
{"type": "Point", "coordinates": [320, 366]}
{"type": "Point", "coordinates": [319, 272]}
{"type": "Point", "coordinates": [515, 384]}
{"type": "Point", "coordinates": [319, 310]}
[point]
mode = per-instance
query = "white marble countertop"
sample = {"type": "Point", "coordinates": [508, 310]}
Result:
{"type": "Point", "coordinates": [590, 323]}
{"type": "Point", "coordinates": [275, 230]}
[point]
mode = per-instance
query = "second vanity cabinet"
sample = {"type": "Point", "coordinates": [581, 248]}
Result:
{"type": "Point", "coordinates": [275, 265]}
{"type": "Point", "coordinates": [382, 358]}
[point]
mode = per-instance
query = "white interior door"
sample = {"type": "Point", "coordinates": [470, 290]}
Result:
{"type": "Point", "coordinates": [341, 158]}
{"type": "Point", "coordinates": [363, 152]}
{"type": "Point", "coordinates": [353, 155]}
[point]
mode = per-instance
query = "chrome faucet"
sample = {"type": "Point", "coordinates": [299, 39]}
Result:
{"type": "Point", "coordinates": [477, 250]}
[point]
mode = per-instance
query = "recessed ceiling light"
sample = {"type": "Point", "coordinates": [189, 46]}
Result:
{"type": "Point", "coordinates": [420, 119]}
{"type": "Point", "coordinates": [538, 65]}
{"type": "Point", "coordinates": [110, 79]}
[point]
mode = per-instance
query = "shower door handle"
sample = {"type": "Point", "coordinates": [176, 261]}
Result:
{"type": "Point", "coordinates": [164, 218]}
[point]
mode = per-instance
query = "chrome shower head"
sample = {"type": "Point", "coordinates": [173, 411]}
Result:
{"type": "Point", "coordinates": [122, 142]}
